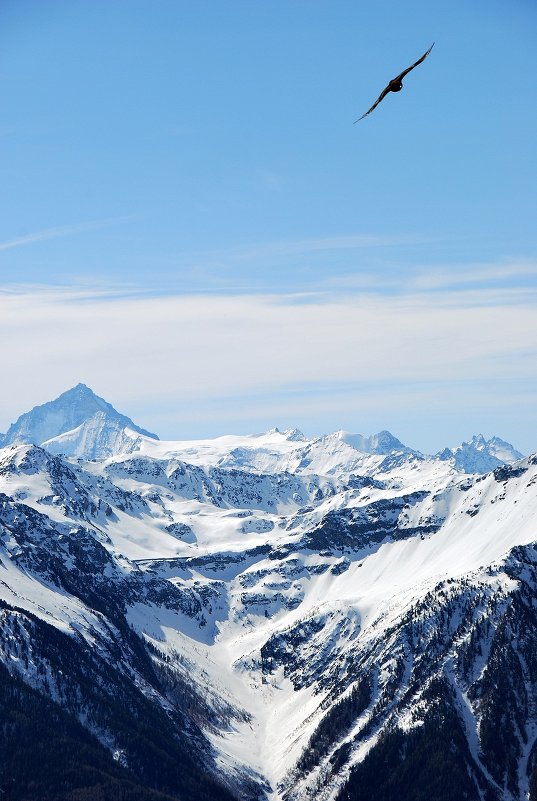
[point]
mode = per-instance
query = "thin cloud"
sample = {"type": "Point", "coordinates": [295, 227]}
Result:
{"type": "Point", "coordinates": [332, 356]}
{"type": "Point", "coordinates": [200, 345]}
{"type": "Point", "coordinates": [321, 244]}
{"type": "Point", "coordinates": [440, 278]}
{"type": "Point", "coordinates": [285, 265]}
{"type": "Point", "coordinates": [252, 254]}
{"type": "Point", "coordinates": [60, 232]}
{"type": "Point", "coordinates": [499, 279]}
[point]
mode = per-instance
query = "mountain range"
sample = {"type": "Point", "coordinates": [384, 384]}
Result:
{"type": "Point", "coordinates": [269, 617]}
{"type": "Point", "coordinates": [80, 423]}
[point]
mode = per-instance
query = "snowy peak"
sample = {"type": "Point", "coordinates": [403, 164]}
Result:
{"type": "Point", "coordinates": [81, 424]}
{"type": "Point", "coordinates": [381, 444]}
{"type": "Point", "coordinates": [503, 450]}
{"type": "Point", "coordinates": [290, 434]}
{"type": "Point", "coordinates": [98, 437]}
{"type": "Point", "coordinates": [77, 423]}
{"type": "Point", "coordinates": [480, 455]}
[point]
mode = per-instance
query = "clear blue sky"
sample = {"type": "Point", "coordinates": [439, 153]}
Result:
{"type": "Point", "coordinates": [191, 224]}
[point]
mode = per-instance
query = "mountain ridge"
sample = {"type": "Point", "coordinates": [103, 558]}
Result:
{"type": "Point", "coordinates": [79, 423]}
{"type": "Point", "coordinates": [299, 612]}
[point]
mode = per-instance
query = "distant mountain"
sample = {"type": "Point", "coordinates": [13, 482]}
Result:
{"type": "Point", "coordinates": [382, 444]}
{"type": "Point", "coordinates": [290, 434]}
{"type": "Point", "coordinates": [100, 436]}
{"type": "Point", "coordinates": [81, 424]}
{"type": "Point", "coordinates": [77, 423]}
{"type": "Point", "coordinates": [480, 455]}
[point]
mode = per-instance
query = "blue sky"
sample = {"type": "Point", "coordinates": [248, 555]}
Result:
{"type": "Point", "coordinates": [191, 223]}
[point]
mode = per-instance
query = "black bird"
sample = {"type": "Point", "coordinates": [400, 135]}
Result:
{"type": "Point", "coordinates": [396, 84]}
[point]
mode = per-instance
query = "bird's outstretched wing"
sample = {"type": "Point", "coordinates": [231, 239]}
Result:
{"type": "Point", "coordinates": [394, 81]}
{"type": "Point", "coordinates": [408, 69]}
{"type": "Point", "coordinates": [375, 104]}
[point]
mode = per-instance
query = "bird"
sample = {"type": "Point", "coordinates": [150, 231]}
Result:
{"type": "Point", "coordinates": [395, 85]}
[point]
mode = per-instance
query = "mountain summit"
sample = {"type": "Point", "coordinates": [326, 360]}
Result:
{"type": "Point", "coordinates": [383, 443]}
{"type": "Point", "coordinates": [77, 423]}
{"type": "Point", "coordinates": [480, 455]}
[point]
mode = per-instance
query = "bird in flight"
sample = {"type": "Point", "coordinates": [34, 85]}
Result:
{"type": "Point", "coordinates": [396, 84]}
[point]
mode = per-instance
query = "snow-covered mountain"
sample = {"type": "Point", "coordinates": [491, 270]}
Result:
{"type": "Point", "coordinates": [382, 443]}
{"type": "Point", "coordinates": [77, 423]}
{"type": "Point", "coordinates": [480, 455]}
{"type": "Point", "coordinates": [270, 617]}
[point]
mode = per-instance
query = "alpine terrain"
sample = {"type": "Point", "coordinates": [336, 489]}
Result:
{"type": "Point", "coordinates": [269, 617]}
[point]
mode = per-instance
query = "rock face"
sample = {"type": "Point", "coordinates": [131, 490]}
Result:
{"type": "Point", "coordinates": [77, 423]}
{"type": "Point", "coordinates": [269, 618]}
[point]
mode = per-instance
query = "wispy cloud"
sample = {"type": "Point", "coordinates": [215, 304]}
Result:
{"type": "Point", "coordinates": [503, 278]}
{"type": "Point", "coordinates": [205, 346]}
{"type": "Point", "coordinates": [60, 232]}
{"type": "Point", "coordinates": [460, 275]}
{"type": "Point", "coordinates": [446, 346]}
{"type": "Point", "coordinates": [321, 244]}
{"type": "Point", "coordinates": [313, 264]}
{"type": "Point", "coordinates": [272, 250]}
